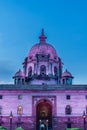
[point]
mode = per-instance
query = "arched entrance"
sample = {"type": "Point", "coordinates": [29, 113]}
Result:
{"type": "Point", "coordinates": [44, 115]}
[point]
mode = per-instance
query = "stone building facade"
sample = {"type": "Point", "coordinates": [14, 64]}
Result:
{"type": "Point", "coordinates": [43, 96]}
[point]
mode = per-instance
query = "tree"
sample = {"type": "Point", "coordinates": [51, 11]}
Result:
{"type": "Point", "coordinates": [19, 128]}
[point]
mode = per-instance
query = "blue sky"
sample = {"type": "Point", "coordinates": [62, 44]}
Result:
{"type": "Point", "coordinates": [65, 25]}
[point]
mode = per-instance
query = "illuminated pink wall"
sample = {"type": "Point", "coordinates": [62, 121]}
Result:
{"type": "Point", "coordinates": [10, 101]}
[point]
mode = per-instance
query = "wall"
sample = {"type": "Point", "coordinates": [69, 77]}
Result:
{"type": "Point", "coordinates": [10, 102]}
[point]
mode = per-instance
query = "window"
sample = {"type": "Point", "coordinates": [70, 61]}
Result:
{"type": "Point", "coordinates": [30, 71]}
{"type": "Point", "coordinates": [19, 97]}
{"type": "Point", "coordinates": [22, 81]}
{"type": "Point", "coordinates": [43, 70]}
{"type": "Point", "coordinates": [1, 96]}
{"type": "Point", "coordinates": [68, 97]}
{"type": "Point", "coordinates": [19, 110]}
{"type": "Point", "coordinates": [85, 96]}
{"type": "Point", "coordinates": [68, 110]}
{"type": "Point", "coordinates": [18, 80]}
{"type": "Point", "coordinates": [55, 71]}
{"type": "Point", "coordinates": [63, 81]}
{"type": "Point", "coordinates": [67, 81]}
{"type": "Point", "coordinates": [0, 110]}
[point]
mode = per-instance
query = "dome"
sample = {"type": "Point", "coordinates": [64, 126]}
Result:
{"type": "Point", "coordinates": [19, 74]}
{"type": "Point", "coordinates": [43, 48]}
{"type": "Point", "coordinates": [67, 74]}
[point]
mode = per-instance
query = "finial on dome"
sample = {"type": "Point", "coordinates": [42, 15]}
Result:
{"type": "Point", "coordinates": [42, 37]}
{"type": "Point", "coordinates": [42, 31]}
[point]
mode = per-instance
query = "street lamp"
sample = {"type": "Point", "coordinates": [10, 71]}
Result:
{"type": "Point", "coordinates": [84, 119]}
{"type": "Point", "coordinates": [47, 124]}
{"type": "Point", "coordinates": [20, 110]}
{"type": "Point", "coordinates": [0, 120]}
{"type": "Point", "coordinates": [19, 120]}
{"type": "Point", "coordinates": [11, 116]}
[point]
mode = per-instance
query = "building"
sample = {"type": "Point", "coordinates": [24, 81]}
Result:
{"type": "Point", "coordinates": [42, 96]}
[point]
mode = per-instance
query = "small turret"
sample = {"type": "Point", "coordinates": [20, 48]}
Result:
{"type": "Point", "coordinates": [67, 78]}
{"type": "Point", "coordinates": [19, 77]}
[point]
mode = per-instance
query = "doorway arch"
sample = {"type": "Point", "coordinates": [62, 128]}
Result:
{"type": "Point", "coordinates": [44, 114]}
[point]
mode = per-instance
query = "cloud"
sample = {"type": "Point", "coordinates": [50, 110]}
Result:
{"type": "Point", "coordinates": [6, 72]}
{"type": "Point", "coordinates": [5, 82]}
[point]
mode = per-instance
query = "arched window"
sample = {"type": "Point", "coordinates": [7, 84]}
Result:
{"type": "Point", "coordinates": [18, 80]}
{"type": "Point", "coordinates": [63, 81]}
{"type": "Point", "coordinates": [43, 70]}
{"type": "Point", "coordinates": [19, 110]}
{"type": "Point", "coordinates": [67, 81]}
{"type": "Point", "coordinates": [22, 81]}
{"type": "Point", "coordinates": [55, 71]}
{"type": "Point", "coordinates": [30, 71]}
{"type": "Point", "coordinates": [68, 110]}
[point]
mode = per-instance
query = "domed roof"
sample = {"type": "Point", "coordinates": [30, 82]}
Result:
{"type": "Point", "coordinates": [67, 74]}
{"type": "Point", "coordinates": [43, 48]}
{"type": "Point", "coordinates": [19, 74]}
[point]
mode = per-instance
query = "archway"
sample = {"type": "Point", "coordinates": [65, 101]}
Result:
{"type": "Point", "coordinates": [44, 115]}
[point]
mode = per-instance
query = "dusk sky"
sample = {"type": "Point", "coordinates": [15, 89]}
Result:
{"type": "Point", "coordinates": [64, 23]}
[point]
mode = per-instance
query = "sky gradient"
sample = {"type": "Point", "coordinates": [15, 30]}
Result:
{"type": "Point", "coordinates": [65, 25]}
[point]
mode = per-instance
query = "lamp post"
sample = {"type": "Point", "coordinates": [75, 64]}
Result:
{"type": "Point", "coordinates": [84, 119]}
{"type": "Point", "coordinates": [40, 124]}
{"type": "Point", "coordinates": [20, 112]}
{"type": "Point", "coordinates": [47, 124]}
{"type": "Point", "coordinates": [0, 117]}
{"type": "Point", "coordinates": [11, 116]}
{"type": "Point", "coordinates": [0, 120]}
{"type": "Point", "coordinates": [19, 120]}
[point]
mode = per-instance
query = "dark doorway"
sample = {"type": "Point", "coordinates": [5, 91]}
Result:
{"type": "Point", "coordinates": [44, 115]}
{"type": "Point", "coordinates": [68, 125]}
